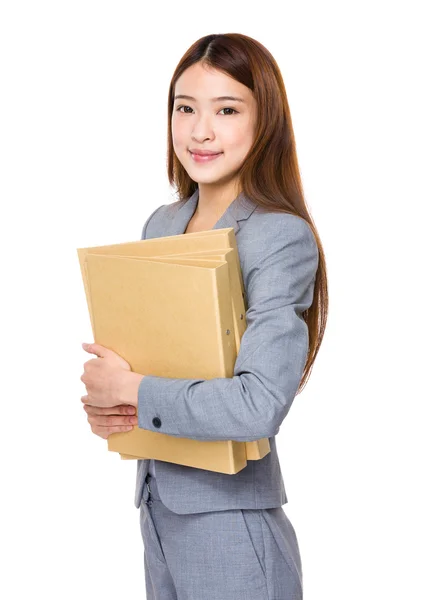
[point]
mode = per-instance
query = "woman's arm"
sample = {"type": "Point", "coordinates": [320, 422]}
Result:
{"type": "Point", "coordinates": [253, 403]}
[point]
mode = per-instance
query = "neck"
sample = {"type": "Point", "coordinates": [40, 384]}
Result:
{"type": "Point", "coordinates": [214, 200]}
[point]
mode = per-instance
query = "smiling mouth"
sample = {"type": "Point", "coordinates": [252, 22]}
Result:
{"type": "Point", "coordinates": [203, 158]}
{"type": "Point", "coordinates": [204, 153]}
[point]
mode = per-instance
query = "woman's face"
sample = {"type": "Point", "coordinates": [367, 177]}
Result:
{"type": "Point", "coordinates": [202, 122]}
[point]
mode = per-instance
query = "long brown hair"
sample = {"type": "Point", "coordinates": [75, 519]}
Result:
{"type": "Point", "coordinates": [270, 174]}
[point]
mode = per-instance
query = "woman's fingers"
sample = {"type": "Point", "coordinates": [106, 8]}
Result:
{"type": "Point", "coordinates": [121, 409]}
{"type": "Point", "coordinates": [112, 420]}
{"type": "Point", "coordinates": [105, 421]}
{"type": "Point", "coordinates": [107, 424]}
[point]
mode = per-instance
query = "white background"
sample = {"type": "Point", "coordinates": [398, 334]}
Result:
{"type": "Point", "coordinates": [83, 147]}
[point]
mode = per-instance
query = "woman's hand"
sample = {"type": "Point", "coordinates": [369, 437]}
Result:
{"type": "Point", "coordinates": [108, 379]}
{"type": "Point", "coordinates": [105, 421]}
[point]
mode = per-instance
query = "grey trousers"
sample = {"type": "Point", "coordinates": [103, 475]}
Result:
{"type": "Point", "coordinates": [237, 554]}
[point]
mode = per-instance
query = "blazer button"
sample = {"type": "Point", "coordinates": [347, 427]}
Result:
{"type": "Point", "coordinates": [156, 422]}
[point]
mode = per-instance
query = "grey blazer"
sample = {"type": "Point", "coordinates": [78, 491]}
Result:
{"type": "Point", "coordinates": [279, 259]}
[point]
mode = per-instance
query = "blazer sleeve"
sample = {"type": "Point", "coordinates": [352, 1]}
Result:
{"type": "Point", "coordinates": [253, 403]}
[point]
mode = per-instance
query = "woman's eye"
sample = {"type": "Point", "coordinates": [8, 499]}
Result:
{"type": "Point", "coordinates": [232, 109]}
{"type": "Point", "coordinates": [178, 109]}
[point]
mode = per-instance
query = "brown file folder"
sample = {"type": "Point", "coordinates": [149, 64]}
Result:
{"type": "Point", "coordinates": [172, 307]}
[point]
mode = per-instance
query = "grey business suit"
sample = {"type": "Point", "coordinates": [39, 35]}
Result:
{"type": "Point", "coordinates": [278, 258]}
{"type": "Point", "coordinates": [213, 536]}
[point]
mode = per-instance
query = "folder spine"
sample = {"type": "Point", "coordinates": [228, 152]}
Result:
{"type": "Point", "coordinates": [228, 349]}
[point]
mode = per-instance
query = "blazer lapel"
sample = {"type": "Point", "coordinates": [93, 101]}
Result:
{"type": "Point", "coordinates": [240, 209]}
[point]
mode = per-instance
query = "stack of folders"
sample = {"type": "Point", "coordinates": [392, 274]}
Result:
{"type": "Point", "coordinates": [172, 307]}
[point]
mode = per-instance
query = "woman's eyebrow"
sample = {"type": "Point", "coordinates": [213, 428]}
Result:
{"type": "Point", "coordinates": [219, 99]}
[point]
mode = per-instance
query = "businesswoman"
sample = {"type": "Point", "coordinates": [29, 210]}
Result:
{"type": "Point", "coordinates": [232, 160]}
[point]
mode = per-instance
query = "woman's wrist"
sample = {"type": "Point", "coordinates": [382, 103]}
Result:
{"type": "Point", "coordinates": [129, 388]}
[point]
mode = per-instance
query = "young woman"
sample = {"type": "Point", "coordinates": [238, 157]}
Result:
{"type": "Point", "coordinates": [232, 159]}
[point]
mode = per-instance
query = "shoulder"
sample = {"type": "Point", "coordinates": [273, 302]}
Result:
{"type": "Point", "coordinates": [156, 223]}
{"type": "Point", "coordinates": [278, 223]}
{"type": "Point", "coordinates": [275, 232]}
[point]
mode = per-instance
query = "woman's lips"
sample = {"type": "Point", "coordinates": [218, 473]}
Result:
{"type": "Point", "coordinates": [201, 158]}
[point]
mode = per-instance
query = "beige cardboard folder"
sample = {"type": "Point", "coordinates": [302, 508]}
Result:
{"type": "Point", "coordinates": [172, 307]}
